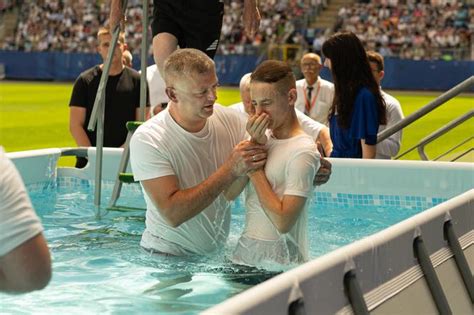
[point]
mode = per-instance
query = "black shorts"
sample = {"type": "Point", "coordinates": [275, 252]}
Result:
{"type": "Point", "coordinates": [195, 23]}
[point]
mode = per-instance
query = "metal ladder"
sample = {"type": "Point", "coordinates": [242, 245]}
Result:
{"type": "Point", "coordinates": [440, 100]}
{"type": "Point", "coordinates": [97, 115]}
{"type": "Point", "coordinates": [122, 176]}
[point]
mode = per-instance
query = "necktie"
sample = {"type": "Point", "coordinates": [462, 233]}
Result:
{"type": "Point", "coordinates": [308, 100]}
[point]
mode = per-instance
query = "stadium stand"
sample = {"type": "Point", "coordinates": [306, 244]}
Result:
{"type": "Point", "coordinates": [419, 30]}
{"type": "Point", "coordinates": [409, 29]}
{"type": "Point", "coordinates": [70, 25]}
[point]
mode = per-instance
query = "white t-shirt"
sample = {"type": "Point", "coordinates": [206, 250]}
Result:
{"type": "Point", "coordinates": [309, 126]}
{"type": "Point", "coordinates": [290, 170]}
{"type": "Point", "coordinates": [160, 147]}
{"type": "Point", "coordinates": [18, 220]}
{"type": "Point", "coordinates": [389, 147]}
{"type": "Point", "coordinates": [321, 99]}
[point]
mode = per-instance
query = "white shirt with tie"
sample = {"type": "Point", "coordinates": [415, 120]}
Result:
{"type": "Point", "coordinates": [318, 104]}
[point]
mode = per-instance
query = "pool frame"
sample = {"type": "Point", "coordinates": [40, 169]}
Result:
{"type": "Point", "coordinates": [362, 276]}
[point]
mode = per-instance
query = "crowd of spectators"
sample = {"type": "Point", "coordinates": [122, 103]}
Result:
{"type": "Point", "coordinates": [71, 25]}
{"type": "Point", "coordinates": [410, 29]}
{"type": "Point", "coordinates": [414, 29]}
{"type": "Point", "coordinates": [6, 4]}
{"type": "Point", "coordinates": [283, 22]}
{"type": "Point", "coordinates": [68, 25]}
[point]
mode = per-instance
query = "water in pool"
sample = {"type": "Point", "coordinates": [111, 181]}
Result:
{"type": "Point", "coordinates": [98, 266]}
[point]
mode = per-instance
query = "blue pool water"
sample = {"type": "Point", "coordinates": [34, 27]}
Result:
{"type": "Point", "coordinates": [100, 268]}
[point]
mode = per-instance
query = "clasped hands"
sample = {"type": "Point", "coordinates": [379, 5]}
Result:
{"type": "Point", "coordinates": [251, 155]}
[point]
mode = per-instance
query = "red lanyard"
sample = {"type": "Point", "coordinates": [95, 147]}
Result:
{"type": "Point", "coordinates": [307, 103]}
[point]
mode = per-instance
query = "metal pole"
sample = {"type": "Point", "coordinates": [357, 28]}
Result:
{"type": "Point", "coordinates": [144, 55]}
{"type": "Point", "coordinates": [446, 96]}
{"type": "Point", "coordinates": [99, 153]}
{"type": "Point", "coordinates": [354, 293]}
{"type": "Point", "coordinates": [99, 109]}
{"type": "Point", "coordinates": [452, 124]}
{"type": "Point", "coordinates": [421, 253]}
{"type": "Point", "coordinates": [459, 258]}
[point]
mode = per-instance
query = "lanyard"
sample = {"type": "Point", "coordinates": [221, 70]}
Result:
{"type": "Point", "coordinates": [309, 106]}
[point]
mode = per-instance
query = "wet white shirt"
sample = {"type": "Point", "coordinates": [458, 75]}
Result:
{"type": "Point", "coordinates": [160, 147]}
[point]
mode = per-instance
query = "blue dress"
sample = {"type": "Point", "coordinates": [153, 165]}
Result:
{"type": "Point", "coordinates": [364, 125]}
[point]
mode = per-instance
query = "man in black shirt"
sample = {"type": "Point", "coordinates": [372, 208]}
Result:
{"type": "Point", "coordinates": [122, 98]}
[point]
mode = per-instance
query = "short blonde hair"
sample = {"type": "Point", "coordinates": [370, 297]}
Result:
{"type": "Point", "coordinates": [106, 31]}
{"type": "Point", "coordinates": [187, 62]}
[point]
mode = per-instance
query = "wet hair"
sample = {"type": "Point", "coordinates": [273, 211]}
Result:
{"type": "Point", "coordinates": [187, 62]}
{"type": "Point", "coordinates": [273, 71]}
{"type": "Point", "coordinates": [351, 71]}
{"type": "Point", "coordinates": [376, 58]}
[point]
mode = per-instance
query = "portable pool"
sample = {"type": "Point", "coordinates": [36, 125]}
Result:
{"type": "Point", "coordinates": [98, 266]}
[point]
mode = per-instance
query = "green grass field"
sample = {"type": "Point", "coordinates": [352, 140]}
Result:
{"type": "Point", "coordinates": [35, 115]}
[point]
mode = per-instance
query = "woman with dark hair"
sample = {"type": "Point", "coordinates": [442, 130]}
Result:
{"type": "Point", "coordinates": [358, 107]}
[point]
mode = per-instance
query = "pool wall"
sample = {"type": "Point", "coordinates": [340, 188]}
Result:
{"type": "Point", "coordinates": [384, 265]}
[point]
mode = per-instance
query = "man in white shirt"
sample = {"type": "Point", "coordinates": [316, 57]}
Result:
{"type": "Point", "coordinates": [316, 130]}
{"type": "Point", "coordinates": [186, 156]}
{"type": "Point", "coordinates": [315, 95]}
{"type": "Point", "coordinates": [390, 147]}
{"type": "Point", "coordinates": [25, 262]}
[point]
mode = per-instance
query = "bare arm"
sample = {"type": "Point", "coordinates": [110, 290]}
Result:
{"type": "Point", "coordinates": [325, 139]}
{"type": "Point", "coordinates": [77, 117]}
{"type": "Point", "coordinates": [27, 267]}
{"type": "Point", "coordinates": [251, 17]}
{"type": "Point", "coordinates": [179, 205]}
{"type": "Point", "coordinates": [324, 172]}
{"type": "Point", "coordinates": [236, 188]}
{"type": "Point", "coordinates": [116, 15]}
{"type": "Point", "coordinates": [368, 151]}
{"type": "Point", "coordinates": [283, 213]}
{"type": "Point", "coordinates": [256, 127]}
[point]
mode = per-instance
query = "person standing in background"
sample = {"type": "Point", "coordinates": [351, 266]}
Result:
{"type": "Point", "coordinates": [315, 94]}
{"type": "Point", "coordinates": [389, 147]}
{"type": "Point", "coordinates": [358, 108]}
{"type": "Point", "coordinates": [122, 98]}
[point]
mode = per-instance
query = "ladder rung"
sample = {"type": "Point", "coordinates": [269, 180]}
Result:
{"type": "Point", "coordinates": [127, 178]}
{"type": "Point", "coordinates": [133, 125]}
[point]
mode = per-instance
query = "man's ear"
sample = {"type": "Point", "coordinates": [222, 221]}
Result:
{"type": "Point", "coordinates": [171, 93]}
{"type": "Point", "coordinates": [292, 95]}
{"type": "Point", "coordinates": [381, 75]}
